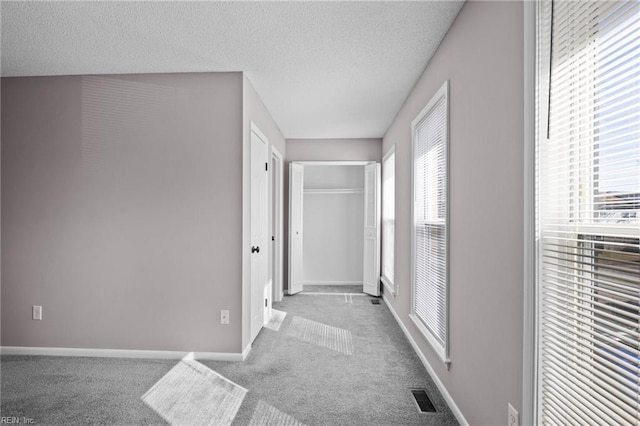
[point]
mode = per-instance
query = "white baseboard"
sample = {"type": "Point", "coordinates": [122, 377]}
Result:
{"type": "Point", "coordinates": [388, 286]}
{"type": "Point", "coordinates": [332, 283]}
{"type": "Point", "coordinates": [245, 352]}
{"type": "Point", "coordinates": [123, 353]}
{"type": "Point", "coordinates": [443, 390]}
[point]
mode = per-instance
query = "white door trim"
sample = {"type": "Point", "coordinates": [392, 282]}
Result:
{"type": "Point", "coordinates": [257, 131]}
{"type": "Point", "coordinates": [371, 232]}
{"type": "Point", "coordinates": [277, 176]}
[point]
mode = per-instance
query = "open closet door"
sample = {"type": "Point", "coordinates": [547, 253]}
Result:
{"type": "Point", "coordinates": [371, 273]}
{"type": "Point", "coordinates": [296, 187]}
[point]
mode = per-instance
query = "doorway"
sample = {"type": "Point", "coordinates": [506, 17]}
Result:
{"type": "Point", "coordinates": [334, 225]}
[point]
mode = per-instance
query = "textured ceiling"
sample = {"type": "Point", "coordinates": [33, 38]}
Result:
{"type": "Point", "coordinates": [323, 69]}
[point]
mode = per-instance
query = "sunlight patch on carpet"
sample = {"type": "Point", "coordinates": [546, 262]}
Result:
{"type": "Point", "coordinates": [276, 320]}
{"type": "Point", "coordinates": [191, 393]}
{"type": "Point", "coordinates": [324, 335]}
{"type": "Point", "coordinates": [267, 415]}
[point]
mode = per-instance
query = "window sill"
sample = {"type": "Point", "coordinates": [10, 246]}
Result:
{"type": "Point", "coordinates": [437, 347]}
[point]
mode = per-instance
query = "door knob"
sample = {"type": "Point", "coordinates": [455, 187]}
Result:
{"type": "Point", "coordinates": [255, 249]}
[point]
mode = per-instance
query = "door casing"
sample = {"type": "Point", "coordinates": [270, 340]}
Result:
{"type": "Point", "coordinates": [276, 186]}
{"type": "Point", "coordinates": [296, 221]}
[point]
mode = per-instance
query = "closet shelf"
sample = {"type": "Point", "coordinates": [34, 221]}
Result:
{"type": "Point", "coordinates": [333, 190]}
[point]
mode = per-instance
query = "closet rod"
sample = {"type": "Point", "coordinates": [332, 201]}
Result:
{"type": "Point", "coordinates": [333, 191]}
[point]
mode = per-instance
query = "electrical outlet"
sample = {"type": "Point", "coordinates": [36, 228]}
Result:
{"type": "Point", "coordinates": [224, 317]}
{"type": "Point", "coordinates": [37, 312]}
{"type": "Point", "coordinates": [514, 417]}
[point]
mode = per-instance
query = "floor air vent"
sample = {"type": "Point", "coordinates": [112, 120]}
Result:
{"type": "Point", "coordinates": [422, 399]}
{"type": "Point", "coordinates": [375, 301]}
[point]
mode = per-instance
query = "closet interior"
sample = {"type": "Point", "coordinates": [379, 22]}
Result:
{"type": "Point", "coordinates": [330, 205]}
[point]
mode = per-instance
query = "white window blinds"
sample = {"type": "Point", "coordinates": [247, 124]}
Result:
{"type": "Point", "coordinates": [588, 212]}
{"type": "Point", "coordinates": [388, 218]}
{"type": "Point", "coordinates": [430, 280]}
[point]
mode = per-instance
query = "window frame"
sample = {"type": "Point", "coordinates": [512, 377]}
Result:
{"type": "Point", "coordinates": [388, 282]}
{"type": "Point", "coordinates": [441, 349]}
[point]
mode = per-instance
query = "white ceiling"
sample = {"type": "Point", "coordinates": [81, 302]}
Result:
{"type": "Point", "coordinates": [323, 69]}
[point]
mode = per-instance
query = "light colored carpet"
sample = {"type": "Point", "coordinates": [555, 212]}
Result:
{"type": "Point", "coordinates": [317, 385]}
{"type": "Point", "coordinates": [276, 320]}
{"type": "Point", "coordinates": [192, 394]}
{"type": "Point", "coordinates": [80, 391]}
{"type": "Point", "coordinates": [289, 380]}
{"type": "Point", "coordinates": [265, 414]}
{"type": "Point", "coordinates": [334, 338]}
{"type": "Point", "coordinates": [317, 288]}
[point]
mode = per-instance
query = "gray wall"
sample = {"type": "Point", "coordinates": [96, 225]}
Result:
{"type": "Point", "coordinates": [482, 56]}
{"type": "Point", "coordinates": [253, 110]}
{"type": "Point", "coordinates": [323, 150]}
{"type": "Point", "coordinates": [334, 150]}
{"type": "Point", "coordinates": [333, 243]}
{"type": "Point", "coordinates": [122, 211]}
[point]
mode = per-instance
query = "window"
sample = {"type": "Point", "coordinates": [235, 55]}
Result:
{"type": "Point", "coordinates": [588, 213]}
{"type": "Point", "coordinates": [388, 219]}
{"type": "Point", "coordinates": [429, 292]}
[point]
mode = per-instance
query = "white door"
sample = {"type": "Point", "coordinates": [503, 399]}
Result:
{"type": "Point", "coordinates": [371, 273]}
{"type": "Point", "coordinates": [259, 229]}
{"type": "Point", "coordinates": [296, 186]}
